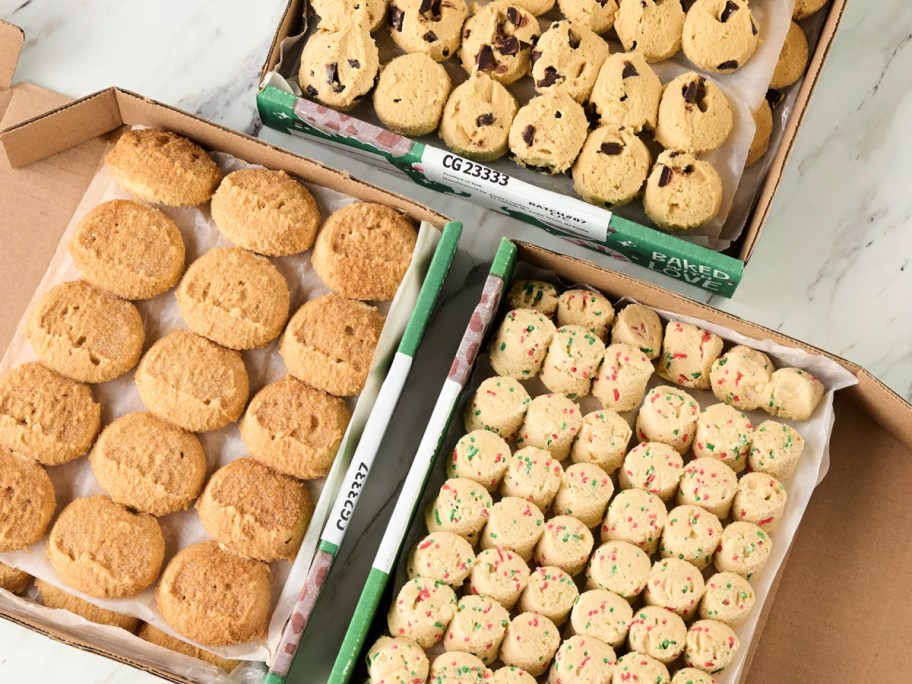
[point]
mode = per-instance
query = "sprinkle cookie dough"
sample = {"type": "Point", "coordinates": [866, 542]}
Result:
{"type": "Point", "coordinates": [720, 35]}
{"type": "Point", "coordinates": [462, 507]}
{"type": "Point", "coordinates": [28, 501]}
{"type": "Point", "coordinates": [396, 660]}
{"type": "Point", "coordinates": [635, 516]}
{"type": "Point", "coordinates": [668, 415]}
{"type": "Point", "coordinates": [638, 667]}
{"type": "Point", "coordinates": [694, 115]}
{"type": "Point", "coordinates": [568, 57]}
{"type": "Point", "coordinates": [744, 549]}
{"type": "Point", "coordinates": [587, 309]}
{"type": "Point", "coordinates": [532, 475]}
{"type": "Point", "coordinates": [708, 483]}
{"type": "Point", "coordinates": [658, 633]}
{"type": "Point", "coordinates": [457, 667]}
{"type": "Point", "coordinates": [651, 27]}
{"type": "Point", "coordinates": [621, 381]}
{"type": "Point", "coordinates": [584, 493]}
{"type": "Point", "coordinates": [497, 40]}
{"type": "Point", "coordinates": [514, 524]}
{"type": "Point", "coordinates": [654, 467]}
{"type": "Point", "coordinates": [481, 456]}
{"type": "Point", "coordinates": [573, 358]}
{"type": "Point", "coordinates": [740, 377]}
{"type": "Point", "coordinates": [551, 423]}
{"type": "Point", "coordinates": [565, 543]}
{"type": "Point", "coordinates": [602, 615]}
{"type": "Point", "coordinates": [792, 394]}
{"type": "Point", "coordinates": [691, 675]}
{"type": "Point", "coordinates": [611, 168]}
{"type": "Point", "coordinates": [530, 643]}
{"type": "Point", "coordinates": [498, 405]}
{"type": "Point", "coordinates": [626, 93]}
{"type": "Point", "coordinates": [760, 500]}
{"type": "Point", "coordinates": [551, 592]}
{"type": "Point", "coordinates": [602, 440]}
{"type": "Point", "coordinates": [711, 646]}
{"type": "Point", "coordinates": [775, 449]}
{"type": "Point", "coordinates": [619, 567]}
{"type": "Point", "coordinates": [533, 294]}
{"type": "Point", "coordinates": [688, 353]}
{"type": "Point", "coordinates": [682, 192]}
{"type": "Point", "coordinates": [548, 132]}
{"type": "Point", "coordinates": [640, 327]}
{"type": "Point", "coordinates": [582, 660]}
{"type": "Point", "coordinates": [499, 574]}
{"type": "Point", "coordinates": [595, 14]}
{"type": "Point", "coordinates": [442, 556]}
{"type": "Point", "coordinates": [723, 433]}
{"type": "Point", "coordinates": [675, 585]}
{"type": "Point", "coordinates": [521, 344]}
{"type": "Point", "coordinates": [477, 118]}
{"type": "Point", "coordinates": [478, 627]}
{"type": "Point", "coordinates": [729, 598]}
{"type": "Point", "coordinates": [338, 68]}
{"type": "Point", "coordinates": [422, 610]}
{"type": "Point", "coordinates": [510, 674]}
{"type": "Point", "coordinates": [691, 534]}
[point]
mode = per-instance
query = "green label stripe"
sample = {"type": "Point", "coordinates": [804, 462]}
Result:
{"type": "Point", "coordinates": [359, 627]}
{"type": "Point", "coordinates": [329, 547]}
{"type": "Point", "coordinates": [504, 260]}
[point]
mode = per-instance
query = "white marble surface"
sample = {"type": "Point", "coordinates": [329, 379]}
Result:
{"type": "Point", "coordinates": [833, 266]}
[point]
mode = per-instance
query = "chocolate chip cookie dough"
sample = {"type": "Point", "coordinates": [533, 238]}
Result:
{"type": "Point", "coordinates": [431, 27]}
{"type": "Point", "coordinates": [682, 192]}
{"type": "Point", "coordinates": [338, 68]}
{"type": "Point", "coordinates": [477, 118]}
{"type": "Point", "coordinates": [763, 129]}
{"type": "Point", "coordinates": [411, 93]}
{"type": "Point", "coordinates": [694, 115]}
{"type": "Point", "coordinates": [548, 133]}
{"type": "Point", "coordinates": [497, 40]}
{"type": "Point", "coordinates": [792, 60]}
{"type": "Point", "coordinates": [805, 8]}
{"type": "Point", "coordinates": [611, 168]}
{"type": "Point", "coordinates": [626, 93]}
{"type": "Point", "coordinates": [597, 15]}
{"type": "Point", "coordinates": [651, 27]}
{"type": "Point", "coordinates": [720, 35]}
{"type": "Point", "coordinates": [337, 14]}
{"type": "Point", "coordinates": [568, 57]}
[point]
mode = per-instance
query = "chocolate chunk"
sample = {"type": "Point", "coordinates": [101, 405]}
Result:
{"type": "Point", "coordinates": [754, 29]}
{"type": "Point", "coordinates": [509, 46]}
{"type": "Point", "coordinates": [430, 8]}
{"type": "Point", "coordinates": [730, 9]}
{"type": "Point", "coordinates": [633, 46]}
{"type": "Point", "coordinates": [611, 148]}
{"type": "Point", "coordinates": [629, 71]}
{"type": "Point", "coordinates": [354, 64]}
{"type": "Point", "coordinates": [466, 34]}
{"type": "Point", "coordinates": [675, 154]}
{"type": "Point", "coordinates": [528, 135]}
{"type": "Point", "coordinates": [535, 56]}
{"type": "Point", "coordinates": [665, 178]}
{"type": "Point", "coordinates": [540, 169]}
{"type": "Point", "coordinates": [558, 115]}
{"type": "Point", "coordinates": [397, 100]}
{"type": "Point", "coordinates": [774, 97]}
{"type": "Point", "coordinates": [592, 115]}
{"type": "Point", "coordinates": [551, 77]}
{"type": "Point", "coordinates": [573, 40]}
{"type": "Point", "coordinates": [689, 169]}
{"type": "Point", "coordinates": [602, 3]}
{"type": "Point", "coordinates": [516, 17]}
{"type": "Point", "coordinates": [396, 17]}
{"type": "Point", "coordinates": [445, 52]}
{"type": "Point", "coordinates": [695, 91]}
{"type": "Point", "coordinates": [311, 91]}
{"type": "Point", "coordinates": [485, 59]}
{"type": "Point", "coordinates": [624, 97]}
{"type": "Point", "coordinates": [332, 77]}
{"type": "Point", "coordinates": [485, 120]}
{"type": "Point", "coordinates": [429, 37]}
{"type": "Point", "coordinates": [729, 65]}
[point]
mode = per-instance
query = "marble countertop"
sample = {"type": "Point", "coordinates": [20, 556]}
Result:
{"type": "Point", "coordinates": [833, 266]}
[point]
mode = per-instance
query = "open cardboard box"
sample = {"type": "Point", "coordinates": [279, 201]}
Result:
{"type": "Point", "coordinates": [52, 151]}
{"type": "Point", "coordinates": [582, 223]}
{"type": "Point", "coordinates": [835, 611]}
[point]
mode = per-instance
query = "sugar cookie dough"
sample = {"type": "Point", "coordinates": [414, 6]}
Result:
{"type": "Point", "coordinates": [568, 57]}
{"type": "Point", "coordinates": [514, 524]}
{"type": "Point", "coordinates": [338, 68]}
{"type": "Point", "coordinates": [477, 118]}
{"type": "Point", "coordinates": [530, 643]}
{"type": "Point", "coordinates": [694, 115]}
{"type": "Point", "coordinates": [651, 27]}
{"type": "Point", "coordinates": [411, 93]}
{"type": "Point", "coordinates": [723, 432]}
{"type": "Point", "coordinates": [396, 660]}
{"type": "Point", "coordinates": [621, 381]}
{"type": "Point", "coordinates": [638, 667]}
{"type": "Point", "coordinates": [462, 507]}
{"type": "Point", "coordinates": [763, 129]}
{"type": "Point", "coordinates": [611, 168]}
{"type": "Point", "coordinates": [498, 405]}
{"type": "Point", "coordinates": [442, 556]}
{"type": "Point", "coordinates": [658, 633]}
{"type": "Point", "coordinates": [639, 326]}
{"type": "Point", "coordinates": [675, 585]}
{"type": "Point", "coordinates": [602, 440]}
{"type": "Point", "coordinates": [626, 93]}
{"type": "Point", "coordinates": [521, 344]}
{"type": "Point", "coordinates": [729, 598]}
{"type": "Point", "coordinates": [740, 376]}
{"type": "Point", "coordinates": [27, 503]}
{"type": "Point", "coordinates": [533, 294]}
{"type": "Point", "coordinates": [510, 674]}
{"type": "Point", "coordinates": [551, 592]}
{"type": "Point", "coordinates": [584, 493]}
{"type": "Point", "coordinates": [720, 35]}
{"type": "Point", "coordinates": [481, 456]}
{"type": "Point", "coordinates": [56, 598]}
{"type": "Point", "coordinates": [497, 40]}
{"type": "Point", "coordinates": [582, 660]}
{"type": "Point", "coordinates": [775, 449]}
{"type": "Point", "coordinates": [548, 132]}
{"type": "Point", "coordinates": [587, 309]}
{"type": "Point", "coordinates": [552, 423]}
{"type": "Point", "coordinates": [744, 549]}
{"type": "Point", "coordinates": [573, 357]}
{"type": "Point", "coordinates": [668, 415]}
{"type": "Point", "coordinates": [602, 615]}
{"type": "Point", "coordinates": [654, 467]}
{"type": "Point", "coordinates": [635, 516]}
{"type": "Point", "coordinates": [566, 543]}
{"type": "Point", "coordinates": [792, 394]}
{"type": "Point", "coordinates": [691, 675]}
{"type": "Point", "coordinates": [805, 8]}
{"type": "Point", "coordinates": [619, 567]}
{"type": "Point", "coordinates": [682, 192]}
{"type": "Point", "coordinates": [457, 667]}
{"type": "Point", "coordinates": [532, 475]}
{"type": "Point", "coordinates": [711, 646]}
{"type": "Point", "coordinates": [478, 627]}
{"type": "Point", "coordinates": [708, 483]}
{"type": "Point", "coordinates": [760, 500]}
{"type": "Point", "coordinates": [13, 580]}
{"type": "Point", "coordinates": [691, 534]}
{"type": "Point", "coordinates": [688, 353]}
{"type": "Point", "coordinates": [598, 15]}
{"type": "Point", "coordinates": [792, 60]}
{"type": "Point", "coordinates": [499, 574]}
{"type": "Point", "coordinates": [422, 610]}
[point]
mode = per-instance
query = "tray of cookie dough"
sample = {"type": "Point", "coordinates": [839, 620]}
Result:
{"type": "Point", "coordinates": [615, 493]}
{"type": "Point", "coordinates": [653, 110]}
{"type": "Point", "coordinates": [182, 397]}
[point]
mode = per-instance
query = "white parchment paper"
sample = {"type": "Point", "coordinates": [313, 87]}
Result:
{"type": "Point", "coordinates": [161, 316]}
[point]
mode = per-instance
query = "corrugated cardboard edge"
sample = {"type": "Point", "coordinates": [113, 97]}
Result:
{"type": "Point", "coordinates": [774, 174]}
{"type": "Point", "coordinates": [12, 38]}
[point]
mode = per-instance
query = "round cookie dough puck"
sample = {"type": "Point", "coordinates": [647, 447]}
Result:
{"type": "Point", "coordinates": [602, 440]}
{"type": "Point", "coordinates": [532, 475]}
{"type": "Point", "coordinates": [621, 381]}
{"type": "Point", "coordinates": [760, 500]}
{"type": "Point", "coordinates": [85, 333]}
{"type": "Point", "coordinates": [498, 405]}
{"type": "Point", "coordinates": [104, 549]}
{"type": "Point", "coordinates": [442, 556]}
{"type": "Point", "coordinates": [27, 503]}
{"type": "Point", "coordinates": [724, 433]}
{"type": "Point", "coordinates": [142, 462]}
{"type": "Point", "coordinates": [626, 93]}
{"type": "Point", "coordinates": [653, 467]}
{"type": "Point", "coordinates": [568, 57]}
{"type": "Point", "coordinates": [586, 309]}
{"type": "Point", "coordinates": [729, 598]}
{"type": "Point", "coordinates": [635, 516]}
{"type": "Point", "coordinates": [551, 592]}
{"type": "Point", "coordinates": [688, 353]}
{"type": "Point", "coordinates": [533, 294]}
{"type": "Point", "coordinates": [611, 168]}
{"type": "Point", "coordinates": [214, 596]}
{"type": "Point", "coordinates": [675, 585]}
{"type": "Point", "coordinates": [551, 423]}
{"type": "Point", "coordinates": [573, 358]}
{"type": "Point", "coordinates": [720, 35]}
{"type": "Point", "coordinates": [477, 118]}
{"type": "Point", "coordinates": [52, 597]}
{"type": "Point", "coordinates": [744, 549]}
{"type": "Point", "coordinates": [478, 627]}
{"type": "Point", "coordinates": [155, 636]}
{"type": "Point", "coordinates": [338, 68]}
{"type": "Point", "coordinates": [295, 429]}
{"type": "Point", "coordinates": [775, 450]}
{"type": "Point", "coordinates": [640, 327]}
{"type": "Point", "coordinates": [514, 524]}
{"type": "Point", "coordinates": [411, 93]}
{"type": "Point", "coordinates": [805, 8]}
{"type": "Point", "coordinates": [740, 377]}
{"type": "Point", "coordinates": [13, 580]}
{"type": "Point", "coordinates": [565, 543]}
{"type": "Point", "coordinates": [163, 168]}
{"type": "Point", "coordinates": [792, 394]}
{"type": "Point", "coordinates": [584, 493]}
{"type": "Point", "coordinates": [668, 415]}
{"type": "Point", "coordinates": [708, 483]}
{"type": "Point", "coordinates": [711, 646]}
{"type": "Point", "coordinates": [619, 567]}
{"type": "Point", "coordinates": [130, 250]}
{"type": "Point", "coordinates": [582, 660]}
{"type": "Point", "coordinates": [651, 27]}
{"type": "Point", "coordinates": [694, 115]}
{"type": "Point", "coordinates": [234, 298]}
{"type": "Point", "coordinates": [481, 456]}
{"type": "Point", "coordinates": [691, 534]}
{"type": "Point", "coordinates": [499, 574]}
{"type": "Point", "coordinates": [457, 667]}
{"type": "Point", "coordinates": [46, 416]}
{"type": "Point", "coordinates": [335, 15]}
{"type": "Point", "coordinates": [497, 40]}
{"type": "Point", "coordinates": [691, 675]}
{"type": "Point", "coordinates": [510, 674]}
{"type": "Point", "coordinates": [602, 615]}
{"type": "Point", "coordinates": [763, 129]}
{"type": "Point", "coordinates": [548, 133]}
{"type": "Point", "coordinates": [364, 250]}
{"type": "Point", "coordinates": [638, 667]}
{"type": "Point", "coordinates": [422, 610]}
{"type": "Point", "coordinates": [193, 383]}
{"type": "Point", "coordinates": [597, 15]}
{"type": "Point", "coordinates": [521, 344]}
{"type": "Point", "coordinates": [658, 633]}
{"type": "Point", "coordinates": [396, 660]}
{"type": "Point", "coordinates": [429, 27]}
{"type": "Point", "coordinates": [255, 511]}
{"type": "Point", "coordinates": [530, 643]}
{"type": "Point", "coordinates": [462, 507]}
{"type": "Point", "coordinates": [265, 211]}
{"type": "Point", "coordinates": [330, 343]}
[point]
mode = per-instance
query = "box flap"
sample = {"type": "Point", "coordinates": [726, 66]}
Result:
{"type": "Point", "coordinates": [12, 38]}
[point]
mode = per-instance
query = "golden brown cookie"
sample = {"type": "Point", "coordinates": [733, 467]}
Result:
{"type": "Point", "coordinates": [46, 416]}
{"type": "Point", "coordinates": [129, 249]}
{"type": "Point", "coordinates": [27, 501]}
{"type": "Point", "coordinates": [145, 463]}
{"type": "Point", "coordinates": [215, 597]}
{"type": "Point", "coordinates": [256, 511]}
{"type": "Point", "coordinates": [85, 333]}
{"type": "Point", "coordinates": [13, 580]}
{"type": "Point", "coordinates": [235, 298]}
{"type": "Point", "coordinates": [330, 343]}
{"type": "Point", "coordinates": [52, 597]}
{"type": "Point", "coordinates": [364, 250]}
{"type": "Point", "coordinates": [105, 550]}
{"type": "Point", "coordinates": [267, 212]}
{"type": "Point", "coordinates": [155, 636]}
{"type": "Point", "coordinates": [294, 428]}
{"type": "Point", "coordinates": [192, 382]}
{"type": "Point", "coordinates": [163, 167]}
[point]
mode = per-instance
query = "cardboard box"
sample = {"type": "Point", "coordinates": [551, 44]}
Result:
{"type": "Point", "coordinates": [825, 618]}
{"type": "Point", "coordinates": [564, 215]}
{"type": "Point", "coordinates": [50, 158]}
